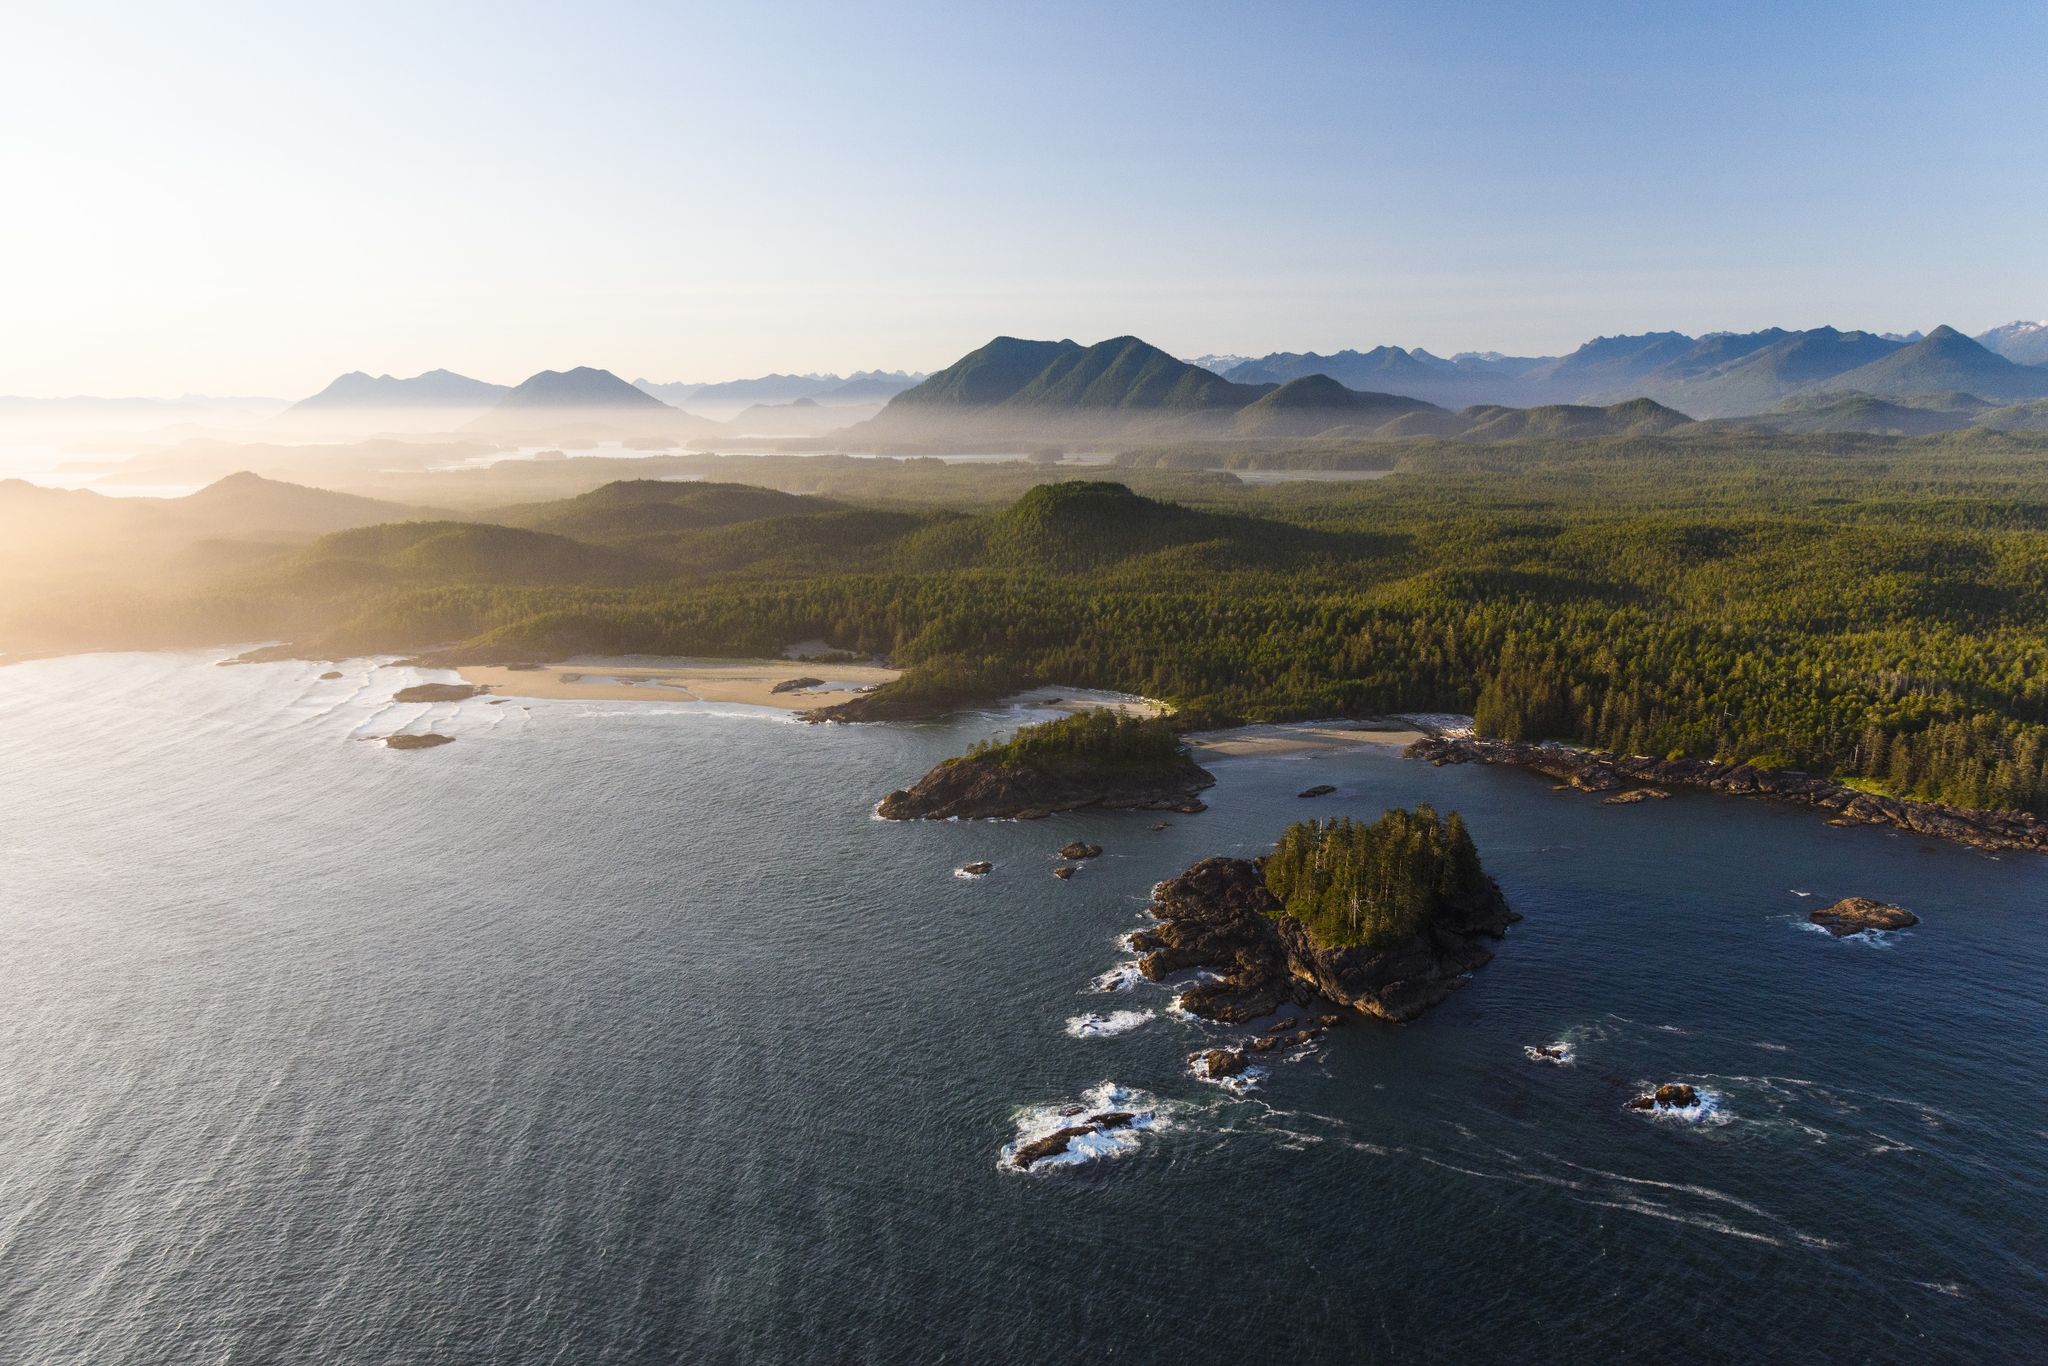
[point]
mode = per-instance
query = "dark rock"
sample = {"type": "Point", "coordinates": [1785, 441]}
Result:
{"type": "Point", "coordinates": [797, 684]}
{"type": "Point", "coordinates": [1161, 826]}
{"type": "Point", "coordinates": [1319, 790]}
{"type": "Point", "coordinates": [1640, 794]}
{"type": "Point", "coordinates": [1854, 914]}
{"type": "Point", "coordinates": [1218, 1063]}
{"type": "Point", "coordinates": [439, 692]}
{"type": "Point", "coordinates": [1064, 871]}
{"type": "Point", "coordinates": [524, 668]}
{"type": "Point", "coordinates": [427, 741]}
{"type": "Point", "coordinates": [977, 869]}
{"type": "Point", "coordinates": [330, 674]}
{"type": "Point", "coordinates": [1281, 1027]}
{"type": "Point", "coordinates": [1079, 850]}
{"type": "Point", "coordinates": [1673, 1095]}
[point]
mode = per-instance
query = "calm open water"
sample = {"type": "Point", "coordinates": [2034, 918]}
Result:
{"type": "Point", "coordinates": [620, 1033]}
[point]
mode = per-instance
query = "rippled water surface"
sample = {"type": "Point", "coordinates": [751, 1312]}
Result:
{"type": "Point", "coordinates": [621, 1032]}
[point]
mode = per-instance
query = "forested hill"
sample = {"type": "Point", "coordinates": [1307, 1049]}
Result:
{"type": "Point", "coordinates": [1873, 610]}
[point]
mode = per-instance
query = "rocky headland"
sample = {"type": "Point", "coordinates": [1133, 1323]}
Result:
{"type": "Point", "coordinates": [1592, 771]}
{"type": "Point", "coordinates": [1219, 915]}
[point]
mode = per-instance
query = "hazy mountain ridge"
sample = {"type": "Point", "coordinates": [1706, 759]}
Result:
{"type": "Point", "coordinates": [1718, 375]}
{"type": "Point", "coordinates": [433, 389]}
{"type": "Point", "coordinates": [862, 386]}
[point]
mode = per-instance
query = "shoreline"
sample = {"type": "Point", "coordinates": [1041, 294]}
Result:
{"type": "Point", "coordinates": [1589, 770]}
{"type": "Point", "coordinates": [651, 678]}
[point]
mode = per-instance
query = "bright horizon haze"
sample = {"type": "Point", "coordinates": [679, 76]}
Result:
{"type": "Point", "coordinates": [240, 199]}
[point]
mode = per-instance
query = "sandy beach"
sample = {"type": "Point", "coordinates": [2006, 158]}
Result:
{"type": "Point", "coordinates": [1086, 699]}
{"type": "Point", "coordinates": [643, 678]}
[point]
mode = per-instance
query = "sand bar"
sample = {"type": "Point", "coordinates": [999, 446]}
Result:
{"type": "Point", "coordinates": [646, 678]}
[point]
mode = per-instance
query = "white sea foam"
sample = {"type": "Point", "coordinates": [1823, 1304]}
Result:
{"type": "Point", "coordinates": [1098, 1026]}
{"type": "Point", "coordinates": [1122, 977]}
{"type": "Point", "coordinates": [1869, 939]}
{"type": "Point", "coordinates": [1243, 1082]}
{"type": "Point", "coordinates": [1039, 1121]}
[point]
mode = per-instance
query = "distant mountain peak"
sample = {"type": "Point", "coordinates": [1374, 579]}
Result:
{"type": "Point", "coordinates": [583, 387]}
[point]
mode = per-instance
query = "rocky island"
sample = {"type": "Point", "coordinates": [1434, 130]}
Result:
{"type": "Point", "coordinates": [1855, 914]}
{"type": "Point", "coordinates": [1384, 918]}
{"type": "Point", "coordinates": [1093, 759]}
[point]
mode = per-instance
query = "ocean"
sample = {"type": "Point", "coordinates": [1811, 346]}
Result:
{"type": "Point", "coordinates": [623, 1032]}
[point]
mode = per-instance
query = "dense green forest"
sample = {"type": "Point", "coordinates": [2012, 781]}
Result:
{"type": "Point", "coordinates": [1376, 885]}
{"type": "Point", "coordinates": [1871, 608]}
{"type": "Point", "coordinates": [1100, 737]}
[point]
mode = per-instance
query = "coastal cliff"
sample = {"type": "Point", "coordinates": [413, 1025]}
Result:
{"type": "Point", "coordinates": [1592, 771]}
{"type": "Point", "coordinates": [1220, 915]}
{"type": "Point", "coordinates": [1095, 759]}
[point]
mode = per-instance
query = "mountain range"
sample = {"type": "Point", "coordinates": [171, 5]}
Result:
{"type": "Point", "coordinates": [1014, 390]}
{"type": "Point", "coordinates": [1718, 375]}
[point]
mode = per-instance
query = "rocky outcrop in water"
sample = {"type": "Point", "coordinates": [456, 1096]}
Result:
{"type": "Point", "coordinates": [1080, 849]}
{"type": "Point", "coordinates": [977, 789]}
{"type": "Point", "coordinates": [1220, 916]}
{"type": "Point", "coordinates": [1592, 771]}
{"type": "Point", "coordinates": [1672, 1095]}
{"type": "Point", "coordinates": [1319, 790]}
{"type": "Point", "coordinates": [797, 684]}
{"type": "Point", "coordinates": [979, 868]}
{"type": "Point", "coordinates": [1855, 914]}
{"type": "Point", "coordinates": [1056, 1142]}
{"type": "Point", "coordinates": [426, 741]}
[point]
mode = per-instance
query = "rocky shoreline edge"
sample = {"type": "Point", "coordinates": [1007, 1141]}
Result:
{"type": "Point", "coordinates": [1594, 771]}
{"type": "Point", "coordinates": [975, 789]}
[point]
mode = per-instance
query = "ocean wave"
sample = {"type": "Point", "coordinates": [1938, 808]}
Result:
{"type": "Point", "coordinates": [1122, 977]}
{"type": "Point", "coordinates": [1098, 1026]}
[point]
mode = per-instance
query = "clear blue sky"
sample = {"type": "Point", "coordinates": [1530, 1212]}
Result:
{"type": "Point", "coordinates": [250, 198]}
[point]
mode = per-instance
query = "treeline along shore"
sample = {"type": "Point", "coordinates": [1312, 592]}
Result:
{"type": "Point", "coordinates": [1591, 771]}
{"type": "Point", "coordinates": [1871, 612]}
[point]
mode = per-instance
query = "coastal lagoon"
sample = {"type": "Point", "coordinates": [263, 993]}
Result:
{"type": "Point", "coordinates": [623, 1032]}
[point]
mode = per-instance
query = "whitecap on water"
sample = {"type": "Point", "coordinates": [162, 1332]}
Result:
{"type": "Point", "coordinates": [1096, 1026]}
{"type": "Point", "coordinates": [1122, 977]}
{"type": "Point", "coordinates": [1709, 1110]}
{"type": "Point", "coordinates": [1869, 939]}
